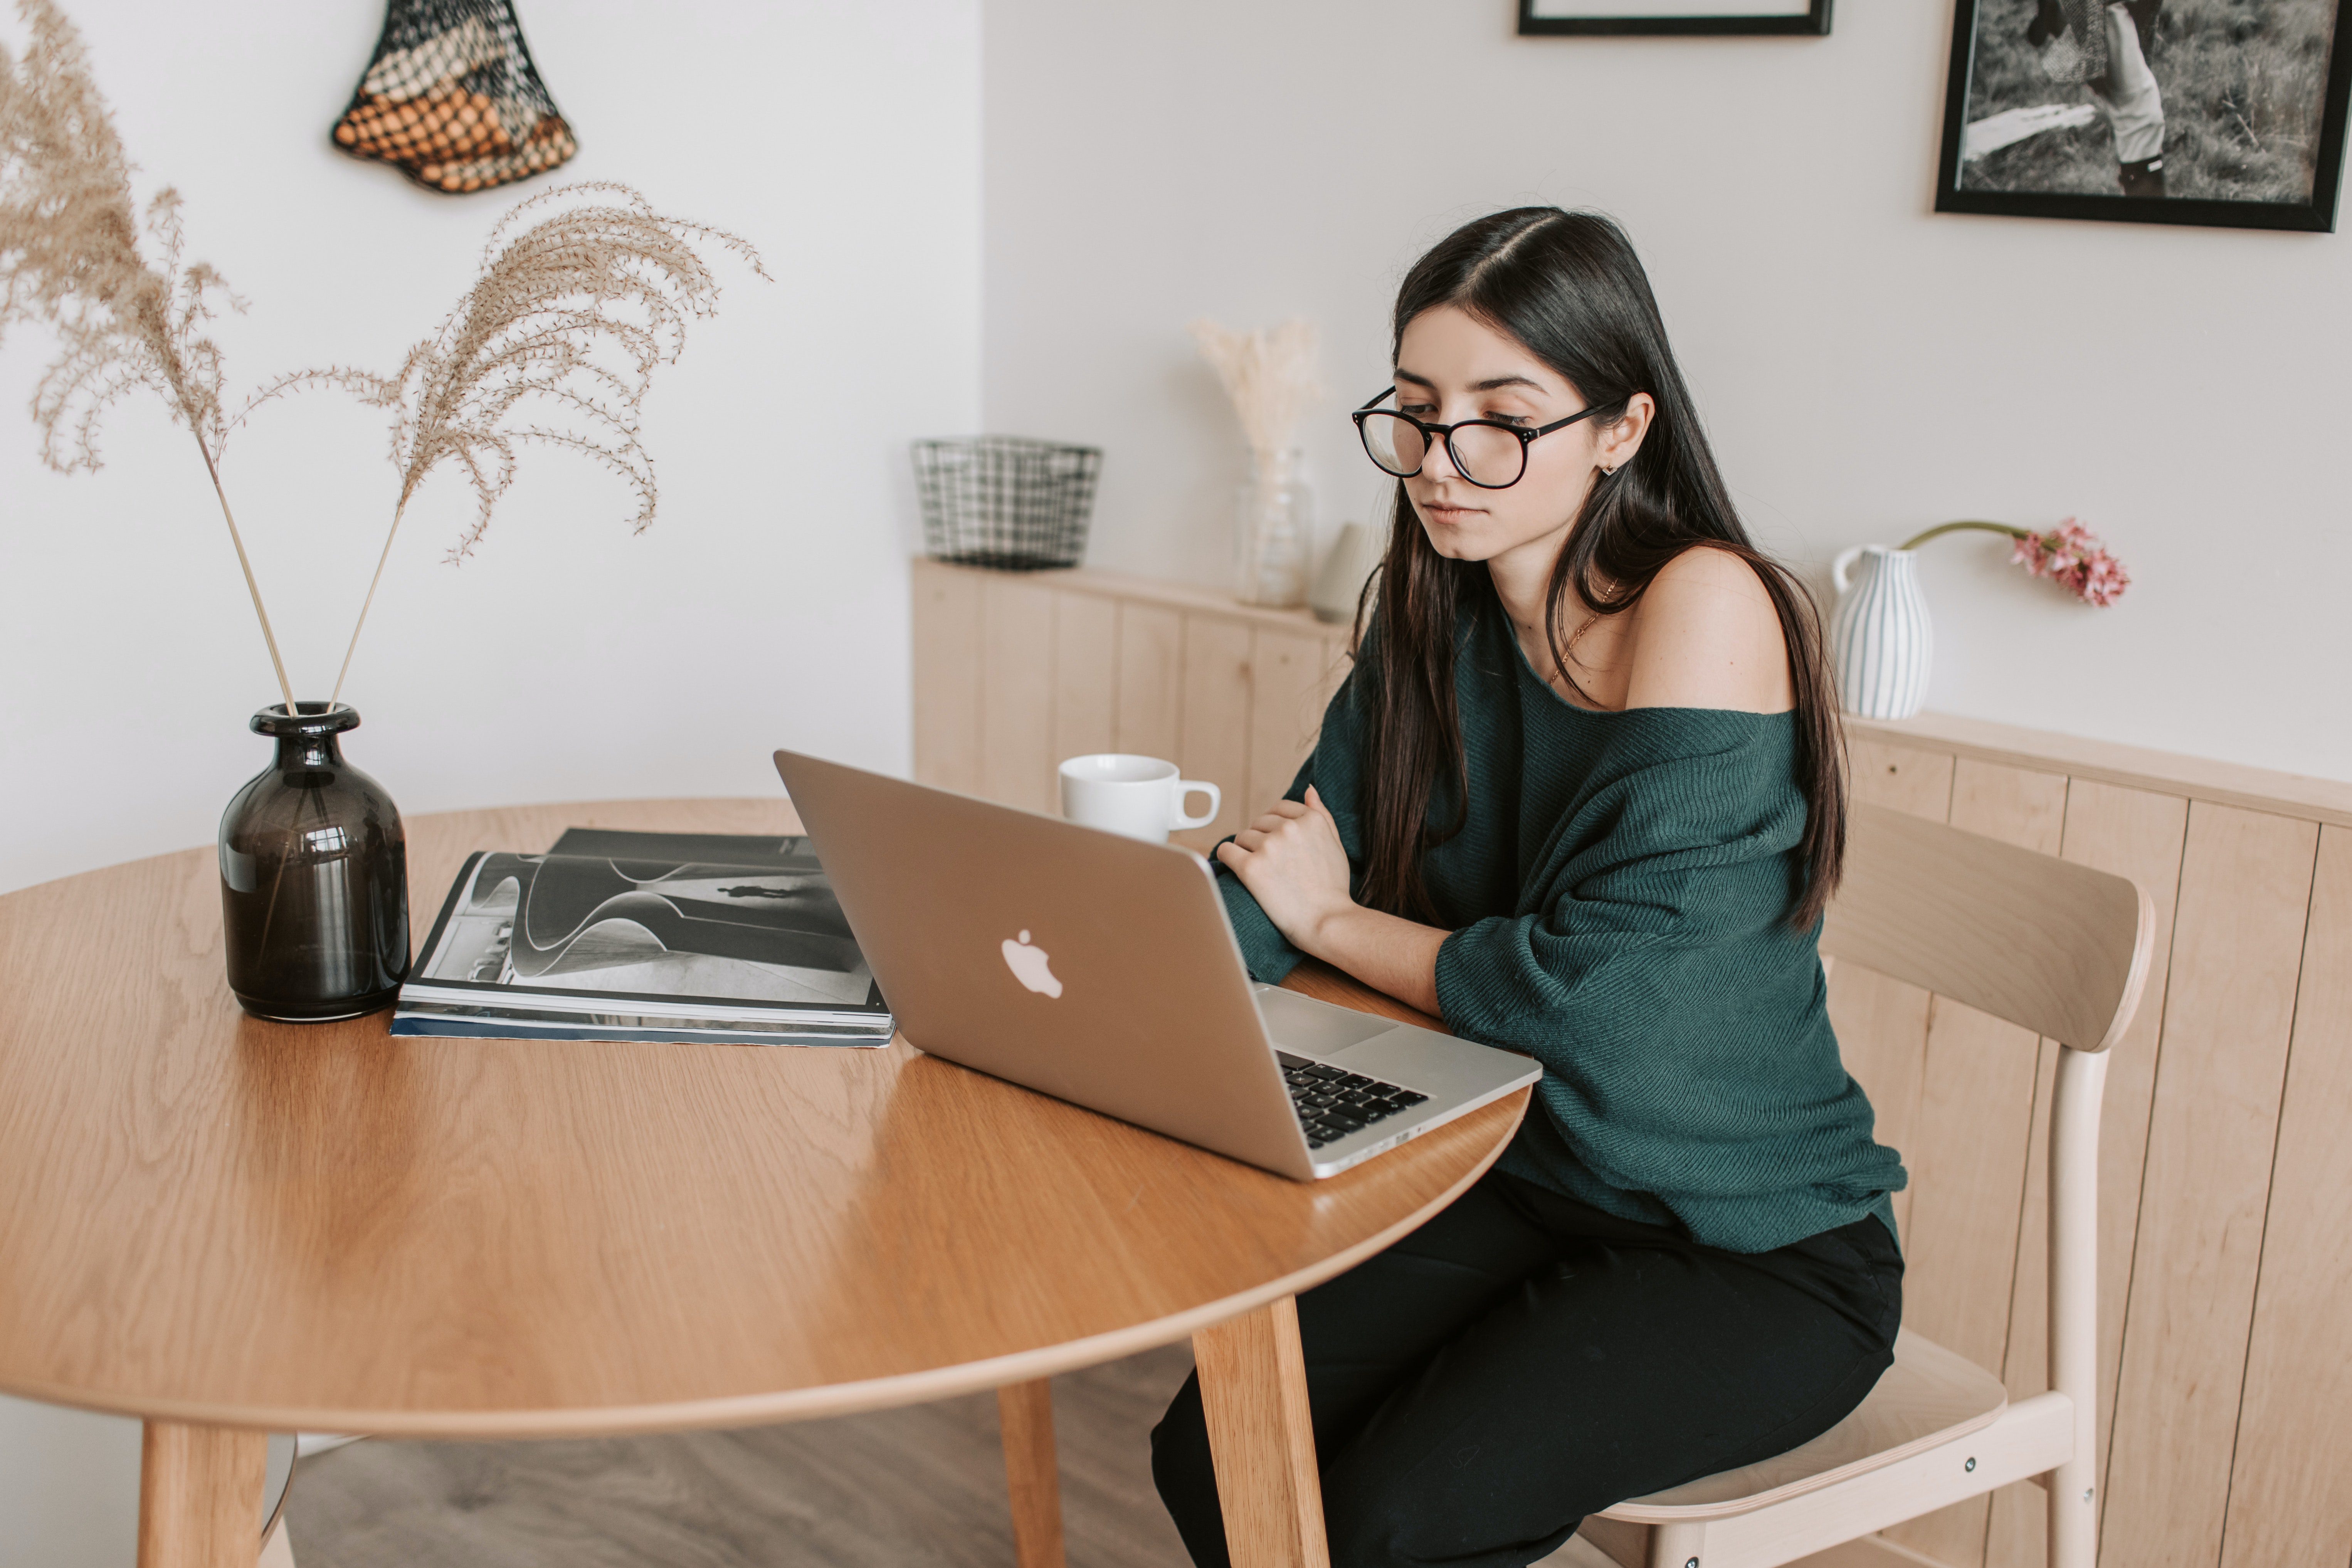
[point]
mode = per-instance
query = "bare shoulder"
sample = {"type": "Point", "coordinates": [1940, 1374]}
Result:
{"type": "Point", "coordinates": [1706, 635]}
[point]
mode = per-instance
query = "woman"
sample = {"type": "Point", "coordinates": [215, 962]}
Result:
{"type": "Point", "coordinates": [1581, 796]}
{"type": "Point", "coordinates": [2104, 45]}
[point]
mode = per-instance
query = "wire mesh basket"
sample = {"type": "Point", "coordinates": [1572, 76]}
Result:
{"type": "Point", "coordinates": [1006, 501]}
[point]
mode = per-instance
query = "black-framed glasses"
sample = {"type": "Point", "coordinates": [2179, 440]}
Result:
{"type": "Point", "coordinates": [1486, 452]}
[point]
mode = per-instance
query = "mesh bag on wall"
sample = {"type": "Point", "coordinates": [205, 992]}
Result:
{"type": "Point", "coordinates": [452, 99]}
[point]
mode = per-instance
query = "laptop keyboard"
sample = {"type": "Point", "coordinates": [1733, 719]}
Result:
{"type": "Point", "coordinates": [1333, 1103]}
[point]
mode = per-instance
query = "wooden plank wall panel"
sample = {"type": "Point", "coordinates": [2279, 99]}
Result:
{"type": "Point", "coordinates": [1900, 779]}
{"type": "Point", "coordinates": [1016, 698]}
{"type": "Point", "coordinates": [1967, 1160]}
{"type": "Point", "coordinates": [1287, 676]}
{"type": "Point", "coordinates": [2326, 801]}
{"type": "Point", "coordinates": [2290, 1487]}
{"type": "Point", "coordinates": [2139, 835]}
{"type": "Point", "coordinates": [2236, 948]}
{"type": "Point", "coordinates": [1086, 676]}
{"type": "Point", "coordinates": [946, 675]}
{"type": "Point", "coordinates": [1881, 1024]}
{"type": "Point", "coordinates": [1213, 741]}
{"type": "Point", "coordinates": [1148, 718]}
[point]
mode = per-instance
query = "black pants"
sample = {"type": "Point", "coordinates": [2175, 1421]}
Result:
{"type": "Point", "coordinates": [1524, 1359]}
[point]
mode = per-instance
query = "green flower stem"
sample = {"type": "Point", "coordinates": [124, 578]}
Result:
{"type": "Point", "coordinates": [1915, 541]}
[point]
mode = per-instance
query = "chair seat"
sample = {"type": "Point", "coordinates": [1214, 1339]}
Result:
{"type": "Point", "coordinates": [1930, 1395]}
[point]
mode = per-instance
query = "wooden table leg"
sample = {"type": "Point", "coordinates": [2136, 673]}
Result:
{"type": "Point", "coordinates": [200, 1496]}
{"type": "Point", "coordinates": [1032, 1473]}
{"type": "Point", "coordinates": [1253, 1392]}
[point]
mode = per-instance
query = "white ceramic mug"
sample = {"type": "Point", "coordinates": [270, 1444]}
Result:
{"type": "Point", "coordinates": [1142, 797]}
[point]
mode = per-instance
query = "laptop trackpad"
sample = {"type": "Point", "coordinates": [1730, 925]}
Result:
{"type": "Point", "coordinates": [1314, 1028]}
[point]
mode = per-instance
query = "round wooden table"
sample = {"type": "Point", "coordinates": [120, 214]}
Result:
{"type": "Point", "coordinates": [227, 1226]}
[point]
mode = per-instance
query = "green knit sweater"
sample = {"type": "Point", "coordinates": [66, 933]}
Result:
{"type": "Point", "coordinates": [1618, 899]}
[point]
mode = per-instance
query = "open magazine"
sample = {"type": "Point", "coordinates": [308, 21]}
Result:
{"type": "Point", "coordinates": [646, 936]}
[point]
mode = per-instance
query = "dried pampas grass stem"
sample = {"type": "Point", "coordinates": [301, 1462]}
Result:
{"type": "Point", "coordinates": [69, 260]}
{"type": "Point", "coordinates": [570, 316]}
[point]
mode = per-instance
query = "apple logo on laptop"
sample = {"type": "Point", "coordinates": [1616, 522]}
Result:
{"type": "Point", "coordinates": [1029, 967]}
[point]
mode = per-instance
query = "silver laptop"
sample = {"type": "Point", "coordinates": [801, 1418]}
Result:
{"type": "Point", "coordinates": [1102, 971]}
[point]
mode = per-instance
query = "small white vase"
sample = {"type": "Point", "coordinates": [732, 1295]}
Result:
{"type": "Point", "coordinates": [1273, 531]}
{"type": "Point", "coordinates": [1880, 640]}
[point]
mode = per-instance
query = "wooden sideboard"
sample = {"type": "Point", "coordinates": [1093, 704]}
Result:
{"type": "Point", "coordinates": [1014, 672]}
{"type": "Point", "coordinates": [2226, 1183]}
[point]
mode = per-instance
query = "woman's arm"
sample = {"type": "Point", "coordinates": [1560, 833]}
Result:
{"type": "Point", "coordinates": [1293, 864]}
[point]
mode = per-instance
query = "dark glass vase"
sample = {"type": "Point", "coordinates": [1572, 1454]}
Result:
{"type": "Point", "coordinates": [314, 877]}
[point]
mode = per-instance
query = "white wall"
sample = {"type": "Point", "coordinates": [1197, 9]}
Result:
{"type": "Point", "coordinates": [766, 606]}
{"type": "Point", "coordinates": [568, 659]}
{"type": "Point", "coordinates": [1866, 367]}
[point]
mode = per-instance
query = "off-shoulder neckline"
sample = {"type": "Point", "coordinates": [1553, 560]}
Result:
{"type": "Point", "coordinates": [1529, 670]}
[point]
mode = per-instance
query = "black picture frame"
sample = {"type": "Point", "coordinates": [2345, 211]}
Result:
{"type": "Point", "coordinates": [2315, 215]}
{"type": "Point", "coordinates": [1812, 22]}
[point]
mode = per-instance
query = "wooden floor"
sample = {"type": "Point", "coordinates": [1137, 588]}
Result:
{"type": "Point", "coordinates": [919, 1488]}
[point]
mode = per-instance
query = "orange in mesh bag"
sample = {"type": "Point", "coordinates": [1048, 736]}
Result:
{"type": "Point", "coordinates": [452, 100]}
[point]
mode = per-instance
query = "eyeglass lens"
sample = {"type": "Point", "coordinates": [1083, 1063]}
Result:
{"type": "Point", "coordinates": [1484, 454]}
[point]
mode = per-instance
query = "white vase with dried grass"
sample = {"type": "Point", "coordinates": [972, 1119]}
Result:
{"type": "Point", "coordinates": [1270, 376]}
{"type": "Point", "coordinates": [1273, 529]}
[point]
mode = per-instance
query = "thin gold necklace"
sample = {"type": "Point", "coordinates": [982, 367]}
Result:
{"type": "Point", "coordinates": [1567, 652]}
{"type": "Point", "coordinates": [1597, 706]}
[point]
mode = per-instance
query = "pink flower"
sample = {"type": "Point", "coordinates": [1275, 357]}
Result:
{"type": "Point", "coordinates": [2072, 556]}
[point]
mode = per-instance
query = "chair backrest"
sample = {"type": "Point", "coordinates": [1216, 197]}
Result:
{"type": "Point", "coordinates": [2046, 945]}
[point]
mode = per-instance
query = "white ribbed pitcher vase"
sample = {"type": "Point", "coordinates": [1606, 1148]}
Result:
{"type": "Point", "coordinates": [1880, 640]}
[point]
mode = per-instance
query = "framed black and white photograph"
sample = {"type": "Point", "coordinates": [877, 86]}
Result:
{"type": "Point", "coordinates": [2224, 112]}
{"type": "Point", "coordinates": [1604, 17]}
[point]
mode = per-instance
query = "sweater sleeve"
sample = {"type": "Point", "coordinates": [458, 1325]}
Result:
{"type": "Point", "coordinates": [1267, 951]}
{"type": "Point", "coordinates": [1651, 969]}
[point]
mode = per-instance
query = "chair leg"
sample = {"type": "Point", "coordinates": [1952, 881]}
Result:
{"type": "Point", "coordinates": [1678, 1546]}
{"type": "Point", "coordinates": [1032, 1473]}
{"type": "Point", "coordinates": [2073, 1503]}
{"type": "Point", "coordinates": [2073, 1506]}
{"type": "Point", "coordinates": [1261, 1439]}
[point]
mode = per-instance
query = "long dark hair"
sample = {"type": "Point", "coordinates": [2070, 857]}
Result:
{"type": "Point", "coordinates": [1569, 287]}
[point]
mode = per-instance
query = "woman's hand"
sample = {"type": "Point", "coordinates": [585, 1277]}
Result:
{"type": "Point", "coordinates": [1293, 864]}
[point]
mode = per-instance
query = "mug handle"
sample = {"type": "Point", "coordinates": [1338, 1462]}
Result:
{"type": "Point", "coordinates": [1842, 564]}
{"type": "Point", "coordinates": [1176, 817]}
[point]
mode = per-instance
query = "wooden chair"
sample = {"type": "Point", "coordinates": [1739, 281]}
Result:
{"type": "Point", "coordinates": [2055, 948]}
